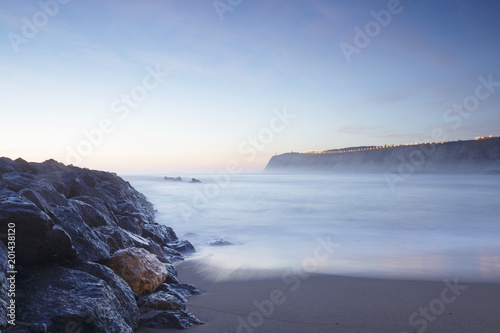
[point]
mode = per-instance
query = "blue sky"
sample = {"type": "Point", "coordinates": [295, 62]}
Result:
{"type": "Point", "coordinates": [224, 80]}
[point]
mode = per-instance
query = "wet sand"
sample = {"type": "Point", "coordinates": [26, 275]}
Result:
{"type": "Point", "coordinates": [250, 301]}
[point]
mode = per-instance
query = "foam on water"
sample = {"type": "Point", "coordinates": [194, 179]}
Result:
{"type": "Point", "coordinates": [427, 227]}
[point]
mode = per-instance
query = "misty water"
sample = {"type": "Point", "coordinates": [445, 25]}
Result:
{"type": "Point", "coordinates": [428, 227]}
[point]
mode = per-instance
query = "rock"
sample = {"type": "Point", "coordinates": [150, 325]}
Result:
{"type": "Point", "coordinates": [172, 179]}
{"type": "Point", "coordinates": [159, 233]}
{"type": "Point", "coordinates": [185, 290]}
{"type": "Point", "coordinates": [172, 255]}
{"type": "Point", "coordinates": [160, 300]}
{"type": "Point", "coordinates": [119, 239]}
{"type": "Point", "coordinates": [119, 287]}
{"type": "Point", "coordinates": [168, 289]}
{"type": "Point", "coordinates": [220, 242]}
{"type": "Point", "coordinates": [194, 180]}
{"type": "Point", "coordinates": [69, 222]}
{"type": "Point", "coordinates": [157, 250]}
{"type": "Point", "coordinates": [90, 247]}
{"type": "Point", "coordinates": [62, 298]}
{"type": "Point", "coordinates": [142, 271]}
{"type": "Point", "coordinates": [41, 240]}
{"type": "Point", "coordinates": [91, 215]}
{"type": "Point", "coordinates": [172, 274]}
{"type": "Point", "coordinates": [183, 246]}
{"type": "Point", "coordinates": [130, 223]}
{"type": "Point", "coordinates": [182, 319]}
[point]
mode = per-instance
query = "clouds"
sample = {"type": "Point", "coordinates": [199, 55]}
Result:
{"type": "Point", "coordinates": [262, 56]}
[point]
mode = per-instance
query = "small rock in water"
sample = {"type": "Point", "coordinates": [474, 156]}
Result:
{"type": "Point", "coordinates": [194, 180]}
{"type": "Point", "coordinates": [173, 179]}
{"type": "Point", "coordinates": [220, 242]}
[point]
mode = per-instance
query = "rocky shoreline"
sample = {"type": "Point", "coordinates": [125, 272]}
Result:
{"type": "Point", "coordinates": [89, 256]}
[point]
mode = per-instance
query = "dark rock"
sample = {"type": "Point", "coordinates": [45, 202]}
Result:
{"type": "Point", "coordinates": [59, 297]}
{"type": "Point", "coordinates": [91, 215]}
{"type": "Point", "coordinates": [119, 288]}
{"type": "Point", "coordinates": [172, 274]}
{"type": "Point", "coordinates": [183, 246]}
{"type": "Point", "coordinates": [159, 233]}
{"type": "Point", "coordinates": [160, 300]}
{"type": "Point", "coordinates": [119, 239]}
{"type": "Point", "coordinates": [194, 180]}
{"type": "Point", "coordinates": [182, 319]}
{"type": "Point", "coordinates": [220, 242]}
{"type": "Point", "coordinates": [168, 289]}
{"type": "Point", "coordinates": [157, 250]}
{"type": "Point", "coordinates": [7, 165]}
{"type": "Point", "coordinates": [130, 223]}
{"type": "Point", "coordinates": [185, 290]}
{"type": "Point", "coordinates": [172, 179]}
{"type": "Point", "coordinates": [38, 200]}
{"type": "Point", "coordinates": [172, 255]}
{"type": "Point", "coordinates": [41, 240]}
{"type": "Point", "coordinates": [71, 221]}
{"type": "Point", "coordinates": [89, 246]}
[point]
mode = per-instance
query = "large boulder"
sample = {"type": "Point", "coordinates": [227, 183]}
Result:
{"type": "Point", "coordinates": [60, 298]}
{"type": "Point", "coordinates": [139, 268]}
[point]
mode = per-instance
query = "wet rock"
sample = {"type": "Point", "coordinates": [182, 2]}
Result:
{"type": "Point", "coordinates": [172, 274]}
{"type": "Point", "coordinates": [220, 242]}
{"type": "Point", "coordinates": [172, 255]}
{"type": "Point", "coordinates": [89, 246]}
{"type": "Point", "coordinates": [182, 246]}
{"type": "Point", "coordinates": [168, 289]}
{"type": "Point", "coordinates": [194, 180]}
{"type": "Point", "coordinates": [130, 223]}
{"type": "Point", "coordinates": [91, 215]}
{"type": "Point", "coordinates": [157, 250]}
{"type": "Point", "coordinates": [159, 233]}
{"type": "Point", "coordinates": [120, 289]}
{"type": "Point", "coordinates": [119, 239]}
{"type": "Point", "coordinates": [142, 271]}
{"type": "Point", "coordinates": [160, 300]}
{"type": "Point", "coordinates": [72, 221]}
{"type": "Point", "coordinates": [185, 290]}
{"type": "Point", "coordinates": [59, 298]}
{"type": "Point", "coordinates": [41, 240]}
{"type": "Point", "coordinates": [182, 319]}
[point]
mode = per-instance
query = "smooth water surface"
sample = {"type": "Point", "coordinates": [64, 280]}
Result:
{"type": "Point", "coordinates": [427, 227]}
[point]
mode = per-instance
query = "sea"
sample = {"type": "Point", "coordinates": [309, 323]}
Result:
{"type": "Point", "coordinates": [424, 227]}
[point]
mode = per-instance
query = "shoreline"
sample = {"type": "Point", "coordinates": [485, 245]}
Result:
{"type": "Point", "coordinates": [329, 303]}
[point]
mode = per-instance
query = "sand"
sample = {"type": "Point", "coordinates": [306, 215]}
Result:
{"type": "Point", "coordinates": [324, 303]}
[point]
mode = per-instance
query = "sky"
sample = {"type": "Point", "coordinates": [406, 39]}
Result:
{"type": "Point", "coordinates": [172, 85]}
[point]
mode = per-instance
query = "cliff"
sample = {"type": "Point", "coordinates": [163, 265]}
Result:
{"type": "Point", "coordinates": [473, 156]}
{"type": "Point", "coordinates": [81, 252]}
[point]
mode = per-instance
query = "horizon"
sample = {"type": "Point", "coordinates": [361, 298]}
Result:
{"type": "Point", "coordinates": [170, 87]}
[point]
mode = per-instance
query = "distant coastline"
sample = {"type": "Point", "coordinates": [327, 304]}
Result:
{"type": "Point", "coordinates": [479, 156]}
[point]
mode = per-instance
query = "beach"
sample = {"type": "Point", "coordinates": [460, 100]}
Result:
{"type": "Point", "coordinates": [258, 301]}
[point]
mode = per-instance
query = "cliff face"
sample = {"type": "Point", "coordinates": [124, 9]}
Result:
{"type": "Point", "coordinates": [474, 156]}
{"type": "Point", "coordinates": [61, 227]}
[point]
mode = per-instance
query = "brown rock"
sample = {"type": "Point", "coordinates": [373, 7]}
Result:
{"type": "Point", "coordinates": [139, 268]}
